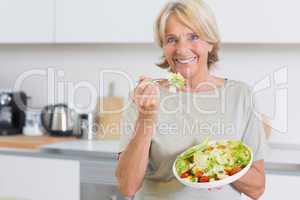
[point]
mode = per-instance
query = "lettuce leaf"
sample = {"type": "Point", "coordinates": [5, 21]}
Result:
{"type": "Point", "coordinates": [181, 166]}
{"type": "Point", "coordinates": [176, 80]}
{"type": "Point", "coordinates": [189, 153]}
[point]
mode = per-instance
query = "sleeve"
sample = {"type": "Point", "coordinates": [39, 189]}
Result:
{"type": "Point", "coordinates": [129, 118]}
{"type": "Point", "coordinates": [254, 135]}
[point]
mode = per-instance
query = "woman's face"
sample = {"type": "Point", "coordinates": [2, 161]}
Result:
{"type": "Point", "coordinates": [184, 51]}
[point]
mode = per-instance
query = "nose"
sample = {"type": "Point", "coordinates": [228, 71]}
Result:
{"type": "Point", "coordinates": [182, 47]}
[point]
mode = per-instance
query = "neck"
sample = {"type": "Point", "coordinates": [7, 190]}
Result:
{"type": "Point", "coordinates": [202, 81]}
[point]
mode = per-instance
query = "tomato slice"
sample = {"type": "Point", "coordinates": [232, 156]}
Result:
{"type": "Point", "coordinates": [235, 170]}
{"type": "Point", "coordinates": [199, 174]}
{"type": "Point", "coordinates": [184, 175]}
{"type": "Point", "coordinates": [203, 179]}
{"type": "Point", "coordinates": [227, 171]}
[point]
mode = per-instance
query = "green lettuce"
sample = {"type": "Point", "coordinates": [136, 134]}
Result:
{"type": "Point", "coordinates": [181, 166]}
{"type": "Point", "coordinates": [176, 80]}
{"type": "Point", "coordinates": [240, 153]}
{"type": "Point", "coordinates": [190, 152]}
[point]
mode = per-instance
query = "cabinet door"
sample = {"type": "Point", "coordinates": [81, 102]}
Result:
{"type": "Point", "coordinates": [30, 21]}
{"type": "Point", "coordinates": [281, 186]}
{"type": "Point", "coordinates": [113, 21]}
{"type": "Point", "coordinates": [107, 21]}
{"type": "Point", "coordinates": [99, 192]}
{"type": "Point", "coordinates": [38, 178]}
{"type": "Point", "coordinates": [257, 21]}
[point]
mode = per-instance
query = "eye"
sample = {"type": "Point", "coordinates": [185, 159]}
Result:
{"type": "Point", "coordinates": [194, 37]}
{"type": "Point", "coordinates": [171, 40]}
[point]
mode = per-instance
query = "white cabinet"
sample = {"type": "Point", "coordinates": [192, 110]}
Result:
{"type": "Point", "coordinates": [38, 178]}
{"type": "Point", "coordinates": [111, 21]}
{"type": "Point", "coordinates": [131, 21]}
{"type": "Point", "coordinates": [107, 21]}
{"type": "Point", "coordinates": [30, 21]}
{"type": "Point", "coordinates": [279, 187]}
{"type": "Point", "coordinates": [257, 21]}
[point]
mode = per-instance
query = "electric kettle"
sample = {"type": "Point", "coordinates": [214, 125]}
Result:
{"type": "Point", "coordinates": [59, 120]}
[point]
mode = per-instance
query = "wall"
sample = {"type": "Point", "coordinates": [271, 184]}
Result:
{"type": "Point", "coordinates": [250, 63]}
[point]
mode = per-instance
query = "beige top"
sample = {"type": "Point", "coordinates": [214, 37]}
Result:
{"type": "Point", "coordinates": [185, 119]}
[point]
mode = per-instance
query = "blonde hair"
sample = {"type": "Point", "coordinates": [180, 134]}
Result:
{"type": "Point", "coordinates": [197, 16]}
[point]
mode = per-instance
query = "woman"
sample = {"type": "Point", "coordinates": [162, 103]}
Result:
{"type": "Point", "coordinates": [166, 123]}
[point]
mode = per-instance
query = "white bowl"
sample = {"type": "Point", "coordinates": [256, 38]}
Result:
{"type": "Point", "coordinates": [218, 183]}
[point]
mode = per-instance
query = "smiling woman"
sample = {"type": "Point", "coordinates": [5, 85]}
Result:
{"type": "Point", "coordinates": [164, 122]}
{"type": "Point", "coordinates": [188, 34]}
{"type": "Point", "coordinates": [199, 22]}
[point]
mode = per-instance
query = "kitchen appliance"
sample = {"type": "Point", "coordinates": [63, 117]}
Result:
{"type": "Point", "coordinates": [12, 112]}
{"type": "Point", "coordinates": [32, 124]}
{"type": "Point", "coordinates": [87, 125]}
{"type": "Point", "coordinates": [59, 120]}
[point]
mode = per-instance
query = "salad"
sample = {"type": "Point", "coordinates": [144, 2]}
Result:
{"type": "Point", "coordinates": [176, 80]}
{"type": "Point", "coordinates": [212, 161]}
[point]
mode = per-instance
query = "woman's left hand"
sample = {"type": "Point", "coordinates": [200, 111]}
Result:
{"type": "Point", "coordinates": [253, 182]}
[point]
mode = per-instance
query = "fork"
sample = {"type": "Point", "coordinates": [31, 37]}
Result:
{"type": "Point", "coordinates": [154, 80]}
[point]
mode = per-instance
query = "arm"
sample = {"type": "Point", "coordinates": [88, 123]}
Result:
{"type": "Point", "coordinates": [253, 182]}
{"type": "Point", "coordinates": [134, 159]}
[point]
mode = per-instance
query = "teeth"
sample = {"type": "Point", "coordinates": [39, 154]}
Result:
{"type": "Point", "coordinates": [186, 61]}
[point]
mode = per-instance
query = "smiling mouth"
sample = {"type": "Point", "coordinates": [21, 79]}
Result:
{"type": "Point", "coordinates": [186, 61]}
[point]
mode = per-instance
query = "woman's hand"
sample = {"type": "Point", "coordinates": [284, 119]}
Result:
{"type": "Point", "coordinates": [253, 182]}
{"type": "Point", "coordinates": [146, 97]}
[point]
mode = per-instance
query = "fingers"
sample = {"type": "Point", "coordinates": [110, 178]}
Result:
{"type": "Point", "coordinates": [142, 85]}
{"type": "Point", "coordinates": [146, 94]}
{"type": "Point", "coordinates": [149, 97]}
{"type": "Point", "coordinates": [142, 77]}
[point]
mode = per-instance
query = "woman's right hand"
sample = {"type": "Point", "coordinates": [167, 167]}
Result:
{"type": "Point", "coordinates": [146, 97]}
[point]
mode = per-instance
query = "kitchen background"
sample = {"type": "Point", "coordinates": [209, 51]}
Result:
{"type": "Point", "coordinates": [77, 40]}
{"type": "Point", "coordinates": [251, 63]}
{"type": "Point", "coordinates": [83, 38]}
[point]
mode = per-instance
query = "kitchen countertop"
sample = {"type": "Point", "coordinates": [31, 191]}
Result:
{"type": "Point", "coordinates": [20, 141]}
{"type": "Point", "coordinates": [276, 154]}
{"type": "Point", "coordinates": [96, 148]}
{"type": "Point", "coordinates": [72, 149]}
{"type": "Point", "coordinates": [281, 157]}
{"type": "Point", "coordinates": [98, 158]}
